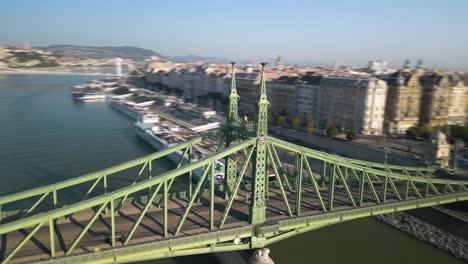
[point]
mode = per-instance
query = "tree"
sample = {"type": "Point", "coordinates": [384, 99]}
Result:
{"type": "Point", "coordinates": [412, 132]}
{"type": "Point", "coordinates": [281, 121]}
{"type": "Point", "coordinates": [310, 124]}
{"type": "Point", "coordinates": [351, 134]}
{"type": "Point", "coordinates": [296, 122]}
{"type": "Point", "coordinates": [331, 131]}
{"type": "Point", "coordinates": [459, 132]}
{"type": "Point", "coordinates": [378, 140]}
{"type": "Point", "coordinates": [327, 123]}
{"type": "Point", "coordinates": [329, 127]}
{"type": "Point", "coordinates": [425, 131]}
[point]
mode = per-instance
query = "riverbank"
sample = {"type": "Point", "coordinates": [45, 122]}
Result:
{"type": "Point", "coordinates": [426, 232]}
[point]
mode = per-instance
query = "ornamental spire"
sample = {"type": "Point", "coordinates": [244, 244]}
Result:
{"type": "Point", "coordinates": [263, 95]}
{"type": "Point", "coordinates": [263, 104]}
{"type": "Point", "coordinates": [233, 115]}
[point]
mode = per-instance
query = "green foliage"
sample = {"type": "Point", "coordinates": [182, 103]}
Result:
{"type": "Point", "coordinates": [47, 64]}
{"type": "Point", "coordinates": [329, 127]}
{"type": "Point", "coordinates": [423, 131]}
{"type": "Point", "coordinates": [378, 140]}
{"type": "Point", "coordinates": [411, 132]}
{"type": "Point", "coordinates": [296, 122]}
{"type": "Point", "coordinates": [459, 132]}
{"type": "Point", "coordinates": [331, 131]}
{"type": "Point", "coordinates": [27, 56]}
{"type": "Point", "coordinates": [327, 123]}
{"type": "Point", "coordinates": [281, 121]}
{"type": "Point", "coordinates": [352, 134]}
{"type": "Point", "coordinates": [310, 124]}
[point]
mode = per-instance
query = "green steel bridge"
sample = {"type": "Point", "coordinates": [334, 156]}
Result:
{"type": "Point", "coordinates": [272, 190]}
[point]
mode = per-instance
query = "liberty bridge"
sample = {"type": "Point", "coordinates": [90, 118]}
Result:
{"type": "Point", "coordinates": [99, 218]}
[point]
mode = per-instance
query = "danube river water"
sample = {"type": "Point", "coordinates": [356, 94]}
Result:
{"type": "Point", "coordinates": [45, 137]}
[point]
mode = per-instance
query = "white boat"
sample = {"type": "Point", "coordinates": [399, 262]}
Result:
{"type": "Point", "coordinates": [149, 118]}
{"type": "Point", "coordinates": [206, 127]}
{"type": "Point", "coordinates": [110, 89]}
{"type": "Point", "coordinates": [161, 138]}
{"type": "Point", "coordinates": [122, 96]}
{"type": "Point", "coordinates": [79, 86]}
{"type": "Point", "coordinates": [144, 104]}
{"type": "Point", "coordinates": [91, 96]}
{"type": "Point", "coordinates": [130, 109]}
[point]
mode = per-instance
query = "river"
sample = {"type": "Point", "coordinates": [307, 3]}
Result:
{"type": "Point", "coordinates": [46, 137]}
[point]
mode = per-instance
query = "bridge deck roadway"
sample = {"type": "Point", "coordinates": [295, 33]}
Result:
{"type": "Point", "coordinates": [151, 227]}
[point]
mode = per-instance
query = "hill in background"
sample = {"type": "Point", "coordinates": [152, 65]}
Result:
{"type": "Point", "coordinates": [88, 52]}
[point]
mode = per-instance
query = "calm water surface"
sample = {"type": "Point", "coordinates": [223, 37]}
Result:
{"type": "Point", "coordinates": [45, 137]}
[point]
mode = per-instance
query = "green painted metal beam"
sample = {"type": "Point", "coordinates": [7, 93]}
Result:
{"type": "Point", "coordinates": [23, 242]}
{"type": "Point", "coordinates": [63, 211]}
{"type": "Point", "coordinates": [192, 244]}
{"type": "Point", "coordinates": [93, 176]}
{"type": "Point", "coordinates": [236, 187]}
{"type": "Point", "coordinates": [345, 163]}
{"type": "Point", "coordinates": [85, 229]}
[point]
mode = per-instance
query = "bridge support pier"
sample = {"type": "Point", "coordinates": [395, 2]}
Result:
{"type": "Point", "coordinates": [261, 256]}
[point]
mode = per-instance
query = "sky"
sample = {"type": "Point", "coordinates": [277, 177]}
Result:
{"type": "Point", "coordinates": [336, 32]}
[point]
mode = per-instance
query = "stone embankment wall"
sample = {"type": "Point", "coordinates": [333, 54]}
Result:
{"type": "Point", "coordinates": [426, 232]}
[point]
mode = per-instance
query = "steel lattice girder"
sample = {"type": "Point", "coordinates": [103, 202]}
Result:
{"type": "Point", "coordinates": [371, 165]}
{"type": "Point", "coordinates": [346, 163]}
{"type": "Point", "coordinates": [222, 240]}
{"type": "Point", "coordinates": [96, 176]}
{"type": "Point", "coordinates": [106, 198]}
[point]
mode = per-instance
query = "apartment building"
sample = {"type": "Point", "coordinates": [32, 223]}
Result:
{"type": "Point", "coordinates": [456, 108]}
{"type": "Point", "coordinates": [435, 99]}
{"type": "Point", "coordinates": [308, 96]}
{"type": "Point", "coordinates": [282, 96]}
{"type": "Point", "coordinates": [403, 102]}
{"type": "Point", "coordinates": [353, 102]}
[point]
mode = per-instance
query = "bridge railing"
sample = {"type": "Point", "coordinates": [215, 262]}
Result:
{"type": "Point", "coordinates": [24, 203]}
{"type": "Point", "coordinates": [99, 203]}
{"type": "Point", "coordinates": [410, 171]}
{"type": "Point", "coordinates": [353, 179]}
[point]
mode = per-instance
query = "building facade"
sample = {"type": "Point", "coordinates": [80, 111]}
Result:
{"type": "Point", "coordinates": [435, 99]}
{"type": "Point", "coordinates": [403, 102]}
{"type": "Point", "coordinates": [282, 95]}
{"type": "Point", "coordinates": [456, 110]}
{"type": "Point", "coordinates": [353, 103]}
{"type": "Point", "coordinates": [247, 88]}
{"type": "Point", "coordinates": [308, 96]}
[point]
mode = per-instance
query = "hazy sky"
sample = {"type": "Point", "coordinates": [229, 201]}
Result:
{"type": "Point", "coordinates": [332, 31]}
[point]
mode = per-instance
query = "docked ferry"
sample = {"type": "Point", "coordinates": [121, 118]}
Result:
{"type": "Point", "coordinates": [135, 111]}
{"type": "Point", "coordinates": [90, 96]}
{"type": "Point", "coordinates": [160, 138]}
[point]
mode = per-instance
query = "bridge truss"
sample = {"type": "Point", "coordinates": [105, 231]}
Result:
{"type": "Point", "coordinates": [273, 190]}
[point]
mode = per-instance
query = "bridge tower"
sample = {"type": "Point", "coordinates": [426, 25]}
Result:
{"type": "Point", "coordinates": [259, 173]}
{"type": "Point", "coordinates": [118, 67]}
{"type": "Point", "coordinates": [232, 122]}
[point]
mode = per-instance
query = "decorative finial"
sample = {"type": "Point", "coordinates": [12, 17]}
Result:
{"type": "Point", "coordinates": [263, 94]}
{"type": "Point", "coordinates": [233, 115]}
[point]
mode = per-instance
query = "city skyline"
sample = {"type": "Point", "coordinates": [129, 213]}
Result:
{"type": "Point", "coordinates": [338, 33]}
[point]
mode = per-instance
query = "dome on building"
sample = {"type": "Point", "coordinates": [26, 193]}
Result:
{"type": "Point", "coordinates": [439, 138]}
